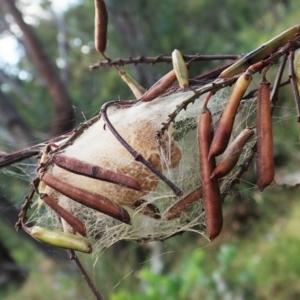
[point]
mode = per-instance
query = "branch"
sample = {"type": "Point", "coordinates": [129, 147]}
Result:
{"type": "Point", "coordinates": [160, 58]}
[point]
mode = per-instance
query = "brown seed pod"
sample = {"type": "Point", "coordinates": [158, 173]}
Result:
{"type": "Point", "coordinates": [176, 209]}
{"type": "Point", "coordinates": [159, 87]}
{"type": "Point", "coordinates": [224, 129]}
{"type": "Point", "coordinates": [101, 20]}
{"type": "Point", "coordinates": [61, 239]}
{"type": "Point", "coordinates": [87, 198]}
{"type": "Point", "coordinates": [210, 187]}
{"type": "Point", "coordinates": [83, 168]}
{"type": "Point", "coordinates": [232, 154]}
{"type": "Point", "coordinates": [264, 160]}
{"type": "Point", "coordinates": [75, 223]}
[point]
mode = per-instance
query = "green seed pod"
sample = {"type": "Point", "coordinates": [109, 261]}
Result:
{"type": "Point", "coordinates": [180, 68]}
{"type": "Point", "coordinates": [61, 239]}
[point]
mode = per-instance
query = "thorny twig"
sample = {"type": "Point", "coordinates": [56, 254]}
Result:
{"type": "Point", "coordinates": [158, 59]}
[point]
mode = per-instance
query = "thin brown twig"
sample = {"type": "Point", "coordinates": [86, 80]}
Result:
{"type": "Point", "coordinates": [160, 58]}
{"type": "Point", "coordinates": [85, 275]}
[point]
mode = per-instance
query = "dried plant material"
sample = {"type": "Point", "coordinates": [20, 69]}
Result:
{"type": "Point", "coordinates": [159, 87]}
{"type": "Point", "coordinates": [261, 52]}
{"type": "Point", "coordinates": [87, 198]}
{"type": "Point", "coordinates": [86, 169]}
{"type": "Point", "coordinates": [210, 186]}
{"type": "Point", "coordinates": [74, 222]}
{"type": "Point", "coordinates": [179, 207]}
{"type": "Point", "coordinates": [136, 89]}
{"type": "Point", "coordinates": [224, 129]}
{"type": "Point", "coordinates": [264, 161]}
{"type": "Point", "coordinates": [101, 21]}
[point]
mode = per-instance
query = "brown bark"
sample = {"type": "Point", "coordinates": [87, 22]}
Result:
{"type": "Point", "coordinates": [64, 114]}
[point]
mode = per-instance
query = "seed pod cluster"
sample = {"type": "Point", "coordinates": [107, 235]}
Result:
{"type": "Point", "coordinates": [210, 186]}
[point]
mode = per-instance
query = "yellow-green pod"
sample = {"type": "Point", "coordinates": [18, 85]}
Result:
{"type": "Point", "coordinates": [61, 239]}
{"type": "Point", "coordinates": [136, 89]}
{"type": "Point", "coordinates": [180, 68]}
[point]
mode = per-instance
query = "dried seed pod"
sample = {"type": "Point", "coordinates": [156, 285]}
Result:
{"type": "Point", "coordinates": [101, 20]}
{"type": "Point", "coordinates": [264, 160]}
{"type": "Point", "coordinates": [136, 89]}
{"type": "Point", "coordinates": [180, 68]}
{"type": "Point", "coordinates": [159, 87]}
{"type": "Point", "coordinates": [176, 209]}
{"type": "Point", "coordinates": [61, 239]}
{"type": "Point", "coordinates": [89, 170]}
{"type": "Point", "coordinates": [232, 154]}
{"type": "Point", "coordinates": [75, 223]}
{"type": "Point", "coordinates": [224, 129]}
{"type": "Point", "coordinates": [261, 52]}
{"type": "Point", "coordinates": [87, 198]}
{"type": "Point", "coordinates": [210, 187]}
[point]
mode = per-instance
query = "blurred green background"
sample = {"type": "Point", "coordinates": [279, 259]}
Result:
{"type": "Point", "coordinates": [257, 254]}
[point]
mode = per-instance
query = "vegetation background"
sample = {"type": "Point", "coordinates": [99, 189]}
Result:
{"type": "Point", "coordinates": [46, 88]}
